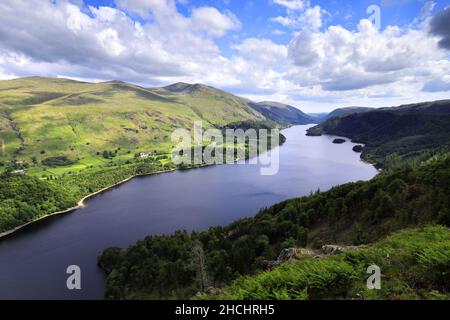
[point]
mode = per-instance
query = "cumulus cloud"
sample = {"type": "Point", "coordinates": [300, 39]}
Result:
{"type": "Point", "coordinates": [319, 65]}
{"type": "Point", "coordinates": [211, 21]}
{"type": "Point", "coordinates": [340, 59]}
{"type": "Point", "coordinates": [292, 4]}
{"type": "Point", "coordinates": [300, 15]}
{"type": "Point", "coordinates": [440, 26]}
{"type": "Point", "coordinates": [61, 38]}
{"type": "Point", "coordinates": [262, 50]}
{"type": "Point", "coordinates": [148, 8]}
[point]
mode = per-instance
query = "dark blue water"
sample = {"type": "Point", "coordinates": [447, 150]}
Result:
{"type": "Point", "coordinates": [33, 262]}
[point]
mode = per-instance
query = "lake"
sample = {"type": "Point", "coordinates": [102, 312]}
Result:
{"type": "Point", "coordinates": [33, 262]}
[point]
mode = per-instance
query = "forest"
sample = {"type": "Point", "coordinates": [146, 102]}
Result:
{"type": "Point", "coordinates": [25, 198]}
{"type": "Point", "coordinates": [184, 264]}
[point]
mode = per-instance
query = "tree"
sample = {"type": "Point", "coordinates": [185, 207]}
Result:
{"type": "Point", "coordinates": [200, 267]}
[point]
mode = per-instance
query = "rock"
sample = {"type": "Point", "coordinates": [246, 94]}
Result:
{"type": "Point", "coordinates": [358, 148]}
{"type": "Point", "coordinates": [288, 255]}
{"type": "Point", "coordinates": [305, 252]}
{"type": "Point", "coordinates": [358, 296]}
{"type": "Point", "coordinates": [313, 134]}
{"type": "Point", "coordinates": [362, 246]}
{"type": "Point", "coordinates": [339, 141]}
{"type": "Point", "coordinates": [332, 249]}
{"type": "Point", "coordinates": [213, 291]}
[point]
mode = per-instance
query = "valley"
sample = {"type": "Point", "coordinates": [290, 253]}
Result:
{"type": "Point", "coordinates": [65, 140]}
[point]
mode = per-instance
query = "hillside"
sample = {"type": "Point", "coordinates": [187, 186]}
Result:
{"type": "Point", "coordinates": [45, 118]}
{"type": "Point", "coordinates": [397, 135]}
{"type": "Point", "coordinates": [355, 213]}
{"type": "Point", "coordinates": [425, 252]}
{"type": "Point", "coordinates": [70, 139]}
{"type": "Point", "coordinates": [282, 113]}
{"type": "Point", "coordinates": [342, 112]}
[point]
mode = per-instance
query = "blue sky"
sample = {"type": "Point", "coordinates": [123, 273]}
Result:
{"type": "Point", "coordinates": [316, 55]}
{"type": "Point", "coordinates": [255, 15]}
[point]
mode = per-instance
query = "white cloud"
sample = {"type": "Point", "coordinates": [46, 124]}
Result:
{"type": "Point", "coordinates": [339, 59]}
{"type": "Point", "coordinates": [284, 21]}
{"type": "Point", "coordinates": [320, 67]}
{"type": "Point", "coordinates": [278, 32]}
{"type": "Point", "coordinates": [304, 16]}
{"type": "Point", "coordinates": [262, 51]}
{"type": "Point", "coordinates": [106, 43]}
{"type": "Point", "coordinates": [311, 18]}
{"type": "Point", "coordinates": [211, 21]}
{"type": "Point", "coordinates": [149, 8]}
{"type": "Point", "coordinates": [292, 4]}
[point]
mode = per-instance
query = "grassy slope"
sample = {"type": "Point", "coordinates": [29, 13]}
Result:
{"type": "Point", "coordinates": [396, 135]}
{"type": "Point", "coordinates": [414, 265]}
{"type": "Point", "coordinates": [45, 117]}
{"type": "Point", "coordinates": [282, 113]}
{"type": "Point", "coordinates": [342, 112]}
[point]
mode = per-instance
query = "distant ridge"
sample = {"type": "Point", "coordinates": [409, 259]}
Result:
{"type": "Point", "coordinates": [342, 112]}
{"type": "Point", "coordinates": [405, 133]}
{"type": "Point", "coordinates": [282, 113]}
{"type": "Point", "coordinates": [182, 87]}
{"type": "Point", "coordinates": [81, 120]}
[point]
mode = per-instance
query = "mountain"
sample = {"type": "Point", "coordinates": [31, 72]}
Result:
{"type": "Point", "coordinates": [43, 118]}
{"type": "Point", "coordinates": [342, 112]}
{"type": "Point", "coordinates": [404, 133]}
{"type": "Point", "coordinates": [282, 113]}
{"type": "Point", "coordinates": [319, 117]}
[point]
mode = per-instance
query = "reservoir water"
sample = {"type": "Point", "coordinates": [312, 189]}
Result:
{"type": "Point", "coordinates": [33, 262]}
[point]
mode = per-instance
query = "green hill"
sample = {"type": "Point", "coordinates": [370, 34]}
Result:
{"type": "Point", "coordinates": [74, 138]}
{"type": "Point", "coordinates": [342, 112]}
{"type": "Point", "coordinates": [282, 113]}
{"type": "Point", "coordinates": [42, 118]}
{"type": "Point", "coordinates": [414, 265]}
{"type": "Point", "coordinates": [394, 136]}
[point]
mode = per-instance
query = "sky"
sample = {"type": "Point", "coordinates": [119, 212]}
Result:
{"type": "Point", "coordinates": [315, 55]}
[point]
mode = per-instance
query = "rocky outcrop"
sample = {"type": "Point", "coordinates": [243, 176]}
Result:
{"type": "Point", "coordinates": [290, 254]}
{"type": "Point", "coordinates": [334, 249]}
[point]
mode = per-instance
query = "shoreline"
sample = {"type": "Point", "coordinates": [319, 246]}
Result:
{"type": "Point", "coordinates": [79, 205]}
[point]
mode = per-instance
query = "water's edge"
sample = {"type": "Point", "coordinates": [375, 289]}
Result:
{"type": "Point", "coordinates": [81, 202]}
{"type": "Point", "coordinates": [34, 260]}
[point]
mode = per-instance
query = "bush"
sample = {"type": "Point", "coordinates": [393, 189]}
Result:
{"type": "Point", "coordinates": [434, 264]}
{"type": "Point", "coordinates": [57, 161]}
